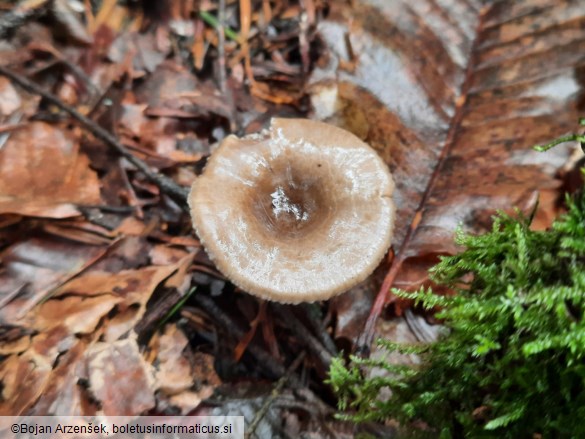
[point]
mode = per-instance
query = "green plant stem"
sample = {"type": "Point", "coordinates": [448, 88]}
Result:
{"type": "Point", "coordinates": [569, 138]}
{"type": "Point", "coordinates": [214, 22]}
{"type": "Point", "coordinates": [177, 307]}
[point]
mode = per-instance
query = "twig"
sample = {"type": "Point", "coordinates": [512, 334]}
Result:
{"type": "Point", "coordinates": [304, 334]}
{"type": "Point", "coordinates": [275, 392]}
{"type": "Point", "coordinates": [262, 357]}
{"type": "Point", "coordinates": [165, 184]}
{"type": "Point", "coordinates": [16, 17]}
{"type": "Point", "coordinates": [221, 45]}
{"type": "Point", "coordinates": [311, 311]}
{"type": "Point", "coordinates": [106, 208]}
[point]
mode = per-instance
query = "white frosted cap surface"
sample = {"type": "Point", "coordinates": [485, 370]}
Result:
{"type": "Point", "coordinates": [299, 213]}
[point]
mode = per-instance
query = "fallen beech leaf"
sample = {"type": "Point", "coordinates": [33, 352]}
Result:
{"type": "Point", "coordinates": [157, 135]}
{"type": "Point", "coordinates": [131, 252]}
{"type": "Point", "coordinates": [40, 263]}
{"type": "Point", "coordinates": [62, 393]}
{"type": "Point", "coordinates": [121, 323]}
{"type": "Point", "coordinates": [163, 254]}
{"type": "Point", "coordinates": [173, 368]}
{"type": "Point", "coordinates": [167, 81]}
{"type": "Point", "coordinates": [16, 346]}
{"type": "Point", "coordinates": [351, 310]}
{"type": "Point", "coordinates": [129, 291]}
{"type": "Point", "coordinates": [30, 187]}
{"type": "Point", "coordinates": [454, 106]}
{"type": "Point", "coordinates": [23, 379]}
{"type": "Point", "coordinates": [53, 342]}
{"type": "Point", "coordinates": [130, 286]}
{"type": "Point", "coordinates": [132, 227]}
{"type": "Point", "coordinates": [80, 231]}
{"type": "Point", "coordinates": [69, 21]}
{"type": "Point", "coordinates": [142, 48]}
{"type": "Point", "coordinates": [9, 99]}
{"type": "Point", "coordinates": [119, 379]}
{"type": "Point", "coordinates": [80, 315]}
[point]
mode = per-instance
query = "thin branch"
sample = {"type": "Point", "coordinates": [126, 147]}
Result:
{"type": "Point", "coordinates": [165, 184]}
{"type": "Point", "coordinates": [18, 16]}
{"type": "Point", "coordinates": [275, 392]}
{"type": "Point", "coordinates": [221, 46]}
{"type": "Point", "coordinates": [263, 359]}
{"type": "Point", "coordinates": [286, 316]}
{"type": "Point", "coordinates": [311, 312]}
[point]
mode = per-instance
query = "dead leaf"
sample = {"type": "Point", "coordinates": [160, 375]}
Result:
{"type": "Point", "coordinates": [96, 293]}
{"type": "Point", "coordinates": [78, 314]}
{"type": "Point", "coordinates": [63, 393]}
{"type": "Point", "coordinates": [23, 379]}
{"type": "Point", "coordinates": [29, 186]}
{"type": "Point", "coordinates": [119, 379]}
{"type": "Point", "coordinates": [453, 106]}
{"type": "Point", "coordinates": [131, 286]}
{"type": "Point", "coordinates": [162, 254]}
{"type": "Point", "coordinates": [40, 264]}
{"type": "Point", "coordinates": [142, 48]}
{"type": "Point", "coordinates": [173, 370]}
{"type": "Point", "coordinates": [9, 98]}
{"type": "Point", "coordinates": [69, 21]}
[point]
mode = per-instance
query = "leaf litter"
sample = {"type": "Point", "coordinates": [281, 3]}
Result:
{"type": "Point", "coordinates": [95, 254]}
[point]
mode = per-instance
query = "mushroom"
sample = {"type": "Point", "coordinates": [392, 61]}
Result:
{"type": "Point", "coordinates": [300, 212]}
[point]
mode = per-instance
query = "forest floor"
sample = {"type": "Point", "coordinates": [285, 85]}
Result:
{"type": "Point", "coordinates": [108, 112]}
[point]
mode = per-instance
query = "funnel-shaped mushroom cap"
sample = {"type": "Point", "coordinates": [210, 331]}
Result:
{"type": "Point", "coordinates": [299, 213]}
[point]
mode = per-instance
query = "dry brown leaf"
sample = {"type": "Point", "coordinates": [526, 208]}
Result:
{"type": "Point", "coordinates": [63, 393]}
{"type": "Point", "coordinates": [202, 378]}
{"type": "Point", "coordinates": [80, 315]}
{"type": "Point", "coordinates": [173, 369]}
{"type": "Point", "coordinates": [9, 98]}
{"type": "Point", "coordinates": [121, 323]}
{"type": "Point", "coordinates": [141, 48]}
{"type": "Point", "coordinates": [131, 286]}
{"type": "Point", "coordinates": [38, 265]}
{"type": "Point", "coordinates": [80, 231]}
{"type": "Point", "coordinates": [16, 346]}
{"type": "Point", "coordinates": [119, 379]}
{"type": "Point", "coordinates": [44, 174]}
{"type": "Point", "coordinates": [453, 96]}
{"type": "Point", "coordinates": [23, 379]}
{"type": "Point", "coordinates": [128, 291]}
{"type": "Point", "coordinates": [163, 254]}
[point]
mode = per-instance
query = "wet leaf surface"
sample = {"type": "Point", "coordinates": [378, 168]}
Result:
{"type": "Point", "coordinates": [472, 89]}
{"type": "Point", "coordinates": [30, 187]}
{"type": "Point", "coordinates": [118, 378]}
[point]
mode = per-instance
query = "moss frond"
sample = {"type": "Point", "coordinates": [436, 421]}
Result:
{"type": "Point", "coordinates": [513, 364]}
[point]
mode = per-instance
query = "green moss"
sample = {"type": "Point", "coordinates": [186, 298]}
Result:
{"type": "Point", "coordinates": [513, 364]}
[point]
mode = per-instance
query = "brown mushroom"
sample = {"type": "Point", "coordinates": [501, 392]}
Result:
{"type": "Point", "coordinates": [298, 213]}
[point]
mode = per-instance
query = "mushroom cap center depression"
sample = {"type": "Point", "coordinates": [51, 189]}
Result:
{"type": "Point", "coordinates": [288, 203]}
{"type": "Point", "coordinates": [298, 213]}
